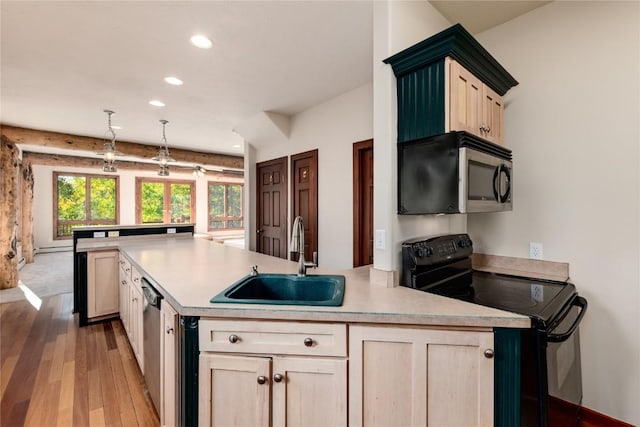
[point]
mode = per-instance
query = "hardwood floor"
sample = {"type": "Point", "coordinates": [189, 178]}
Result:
{"type": "Point", "coordinates": [54, 373]}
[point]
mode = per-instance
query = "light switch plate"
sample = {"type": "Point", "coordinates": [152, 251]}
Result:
{"type": "Point", "coordinates": [171, 231]}
{"type": "Point", "coordinates": [381, 237]}
{"type": "Point", "coordinates": [98, 234]}
{"type": "Point", "coordinates": [114, 233]}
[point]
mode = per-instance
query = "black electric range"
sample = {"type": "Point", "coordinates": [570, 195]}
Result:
{"type": "Point", "coordinates": [442, 265]}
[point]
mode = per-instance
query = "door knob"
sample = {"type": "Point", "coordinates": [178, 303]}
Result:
{"type": "Point", "coordinates": [258, 231]}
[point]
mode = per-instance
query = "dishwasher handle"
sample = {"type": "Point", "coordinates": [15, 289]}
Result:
{"type": "Point", "coordinates": [151, 295]}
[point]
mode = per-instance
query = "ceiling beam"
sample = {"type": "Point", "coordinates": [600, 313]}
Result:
{"type": "Point", "coordinates": [85, 162]}
{"type": "Point", "coordinates": [33, 137]}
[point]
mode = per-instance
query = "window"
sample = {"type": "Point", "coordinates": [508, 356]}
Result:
{"type": "Point", "coordinates": [82, 199]}
{"type": "Point", "coordinates": [161, 201]}
{"type": "Point", "coordinates": [225, 206]}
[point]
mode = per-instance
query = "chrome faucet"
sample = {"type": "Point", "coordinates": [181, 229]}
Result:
{"type": "Point", "coordinates": [297, 245]}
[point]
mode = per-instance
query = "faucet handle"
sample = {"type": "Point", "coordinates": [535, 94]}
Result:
{"type": "Point", "coordinates": [254, 270]}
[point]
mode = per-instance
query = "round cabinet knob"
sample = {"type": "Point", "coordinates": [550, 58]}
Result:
{"type": "Point", "coordinates": [262, 379]}
{"type": "Point", "coordinates": [233, 339]}
{"type": "Point", "coordinates": [308, 342]}
{"type": "Point", "coordinates": [278, 378]}
{"type": "Point", "coordinates": [488, 353]}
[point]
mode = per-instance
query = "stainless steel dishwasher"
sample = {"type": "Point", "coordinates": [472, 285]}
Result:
{"type": "Point", "coordinates": [151, 334]}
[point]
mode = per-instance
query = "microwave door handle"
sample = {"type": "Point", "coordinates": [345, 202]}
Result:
{"type": "Point", "coordinates": [579, 302]}
{"type": "Point", "coordinates": [496, 183]}
{"type": "Point", "coordinates": [507, 182]}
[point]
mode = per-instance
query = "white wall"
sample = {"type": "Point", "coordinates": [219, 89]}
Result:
{"type": "Point", "coordinates": [398, 25]}
{"type": "Point", "coordinates": [43, 200]}
{"type": "Point", "coordinates": [573, 125]}
{"type": "Point", "coordinates": [332, 127]}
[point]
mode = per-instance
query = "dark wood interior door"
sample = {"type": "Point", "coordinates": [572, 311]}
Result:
{"type": "Point", "coordinates": [304, 170]}
{"type": "Point", "coordinates": [271, 211]}
{"type": "Point", "coordinates": [363, 203]}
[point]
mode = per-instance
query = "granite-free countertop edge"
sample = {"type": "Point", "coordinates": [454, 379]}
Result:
{"type": "Point", "coordinates": [189, 272]}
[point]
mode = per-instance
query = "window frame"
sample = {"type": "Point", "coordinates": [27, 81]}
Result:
{"type": "Point", "coordinates": [85, 222]}
{"type": "Point", "coordinates": [225, 218]}
{"type": "Point", "coordinates": [166, 212]}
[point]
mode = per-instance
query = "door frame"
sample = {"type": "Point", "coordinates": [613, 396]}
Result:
{"type": "Point", "coordinates": [358, 149]}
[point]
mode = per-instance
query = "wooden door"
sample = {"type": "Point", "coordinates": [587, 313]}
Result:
{"type": "Point", "coordinates": [492, 112]}
{"type": "Point", "coordinates": [102, 284]}
{"type": "Point", "coordinates": [405, 376]}
{"type": "Point", "coordinates": [304, 170]}
{"type": "Point", "coordinates": [465, 101]}
{"type": "Point", "coordinates": [309, 392]}
{"type": "Point", "coordinates": [168, 379]}
{"type": "Point", "coordinates": [363, 203]}
{"type": "Point", "coordinates": [234, 391]}
{"type": "Point", "coordinates": [271, 213]}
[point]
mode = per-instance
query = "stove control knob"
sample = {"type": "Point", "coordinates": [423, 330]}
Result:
{"type": "Point", "coordinates": [463, 243]}
{"type": "Point", "coordinates": [488, 353]}
{"type": "Point", "coordinates": [428, 251]}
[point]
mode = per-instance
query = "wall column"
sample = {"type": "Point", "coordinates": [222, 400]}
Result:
{"type": "Point", "coordinates": [8, 214]}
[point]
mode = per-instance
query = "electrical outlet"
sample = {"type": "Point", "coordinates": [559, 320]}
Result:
{"type": "Point", "coordinates": [535, 250]}
{"type": "Point", "coordinates": [381, 239]}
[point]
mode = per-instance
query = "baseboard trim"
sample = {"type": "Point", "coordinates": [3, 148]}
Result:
{"type": "Point", "coordinates": [566, 414]}
{"type": "Point", "coordinates": [593, 418]}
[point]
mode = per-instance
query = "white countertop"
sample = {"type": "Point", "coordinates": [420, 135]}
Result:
{"type": "Point", "coordinates": [189, 272]}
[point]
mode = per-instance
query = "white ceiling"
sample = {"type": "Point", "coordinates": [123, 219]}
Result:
{"type": "Point", "coordinates": [63, 62]}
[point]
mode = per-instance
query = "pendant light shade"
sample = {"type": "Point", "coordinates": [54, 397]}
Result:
{"type": "Point", "coordinates": [109, 151]}
{"type": "Point", "coordinates": [163, 157]}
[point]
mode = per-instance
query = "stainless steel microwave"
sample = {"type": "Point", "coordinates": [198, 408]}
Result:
{"type": "Point", "coordinates": [455, 172]}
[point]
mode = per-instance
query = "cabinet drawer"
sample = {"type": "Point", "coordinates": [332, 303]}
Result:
{"type": "Point", "coordinates": [264, 337]}
{"type": "Point", "coordinates": [125, 265]}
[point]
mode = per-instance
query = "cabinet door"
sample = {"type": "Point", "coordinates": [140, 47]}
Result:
{"type": "Point", "coordinates": [492, 113]}
{"type": "Point", "coordinates": [465, 99]}
{"type": "Point", "coordinates": [124, 301]}
{"type": "Point", "coordinates": [420, 377]}
{"type": "Point", "coordinates": [309, 392]}
{"type": "Point", "coordinates": [102, 283]}
{"type": "Point", "coordinates": [168, 377]}
{"type": "Point", "coordinates": [234, 391]}
{"type": "Point", "coordinates": [135, 318]}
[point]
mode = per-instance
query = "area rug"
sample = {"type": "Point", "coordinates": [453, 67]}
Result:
{"type": "Point", "coordinates": [49, 274]}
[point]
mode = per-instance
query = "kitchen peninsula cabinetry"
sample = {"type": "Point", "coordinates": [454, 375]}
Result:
{"type": "Point", "coordinates": [169, 380]}
{"type": "Point", "coordinates": [295, 373]}
{"type": "Point", "coordinates": [102, 284]}
{"type": "Point", "coordinates": [412, 376]}
{"type": "Point", "coordinates": [131, 306]}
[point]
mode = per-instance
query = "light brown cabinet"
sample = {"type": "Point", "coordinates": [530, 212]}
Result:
{"type": "Point", "coordinates": [169, 381]}
{"type": "Point", "coordinates": [282, 366]}
{"type": "Point", "coordinates": [130, 305]}
{"type": "Point", "coordinates": [102, 284]}
{"type": "Point", "coordinates": [472, 105]}
{"type": "Point", "coordinates": [412, 376]}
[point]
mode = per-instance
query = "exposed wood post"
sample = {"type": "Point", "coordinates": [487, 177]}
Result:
{"type": "Point", "coordinates": [8, 214]}
{"type": "Point", "coordinates": [26, 222]}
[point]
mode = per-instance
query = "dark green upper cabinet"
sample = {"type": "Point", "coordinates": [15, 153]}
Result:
{"type": "Point", "coordinates": [421, 80]}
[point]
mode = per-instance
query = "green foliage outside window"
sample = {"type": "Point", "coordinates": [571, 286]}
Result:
{"type": "Point", "coordinates": [180, 203]}
{"type": "Point", "coordinates": [152, 202]}
{"type": "Point", "coordinates": [225, 206]}
{"type": "Point", "coordinates": [84, 200]}
{"type": "Point", "coordinates": [165, 201]}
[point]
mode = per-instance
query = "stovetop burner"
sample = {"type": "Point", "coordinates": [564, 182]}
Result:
{"type": "Point", "coordinates": [442, 265]}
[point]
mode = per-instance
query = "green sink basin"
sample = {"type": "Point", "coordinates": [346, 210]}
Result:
{"type": "Point", "coordinates": [289, 289]}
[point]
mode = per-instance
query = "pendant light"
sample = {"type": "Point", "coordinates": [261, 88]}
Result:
{"type": "Point", "coordinates": [163, 157]}
{"type": "Point", "coordinates": [109, 152]}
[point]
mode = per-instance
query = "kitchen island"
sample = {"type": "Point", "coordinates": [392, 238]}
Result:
{"type": "Point", "coordinates": [400, 355]}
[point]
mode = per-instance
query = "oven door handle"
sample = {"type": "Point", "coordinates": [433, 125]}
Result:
{"type": "Point", "coordinates": [577, 302]}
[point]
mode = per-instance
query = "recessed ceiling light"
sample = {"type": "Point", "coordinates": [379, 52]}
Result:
{"type": "Point", "coordinates": [201, 41]}
{"type": "Point", "coordinates": [236, 145]}
{"type": "Point", "coordinates": [116, 127]}
{"type": "Point", "coordinates": [156, 103]}
{"type": "Point", "coordinates": [173, 80]}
